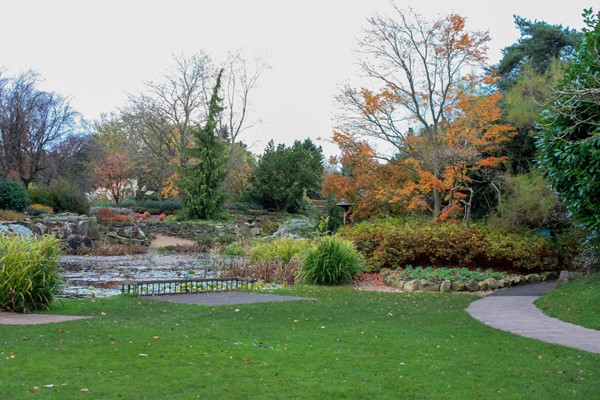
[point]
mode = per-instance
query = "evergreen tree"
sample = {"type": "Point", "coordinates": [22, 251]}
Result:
{"type": "Point", "coordinates": [203, 178]}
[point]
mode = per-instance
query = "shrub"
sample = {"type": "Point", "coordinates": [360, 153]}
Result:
{"type": "Point", "coordinates": [234, 251]}
{"type": "Point", "coordinates": [11, 215]}
{"type": "Point", "coordinates": [282, 250]}
{"type": "Point", "coordinates": [39, 209]}
{"type": "Point", "coordinates": [111, 250]}
{"type": "Point", "coordinates": [61, 196]}
{"type": "Point", "coordinates": [226, 239]}
{"type": "Point", "coordinates": [332, 261]}
{"type": "Point", "coordinates": [108, 215]}
{"type": "Point", "coordinates": [28, 272]}
{"type": "Point", "coordinates": [13, 196]}
{"type": "Point", "coordinates": [393, 243]}
{"type": "Point", "coordinates": [205, 241]}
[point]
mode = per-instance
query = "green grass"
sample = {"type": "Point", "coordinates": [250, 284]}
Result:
{"type": "Point", "coordinates": [347, 345]}
{"type": "Point", "coordinates": [577, 302]}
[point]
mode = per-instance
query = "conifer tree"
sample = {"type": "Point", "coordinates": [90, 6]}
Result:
{"type": "Point", "coordinates": [202, 179]}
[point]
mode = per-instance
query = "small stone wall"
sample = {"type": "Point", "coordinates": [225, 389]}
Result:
{"type": "Point", "coordinates": [423, 285]}
{"type": "Point", "coordinates": [191, 230]}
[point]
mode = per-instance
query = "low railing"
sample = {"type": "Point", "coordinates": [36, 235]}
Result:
{"type": "Point", "coordinates": [183, 286]}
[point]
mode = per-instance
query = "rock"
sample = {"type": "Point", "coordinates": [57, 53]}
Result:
{"type": "Point", "coordinates": [128, 232]}
{"type": "Point", "coordinates": [446, 286]}
{"type": "Point", "coordinates": [551, 275]}
{"type": "Point", "coordinates": [472, 286]}
{"type": "Point", "coordinates": [492, 284]}
{"type": "Point", "coordinates": [566, 276]}
{"type": "Point", "coordinates": [532, 278]}
{"type": "Point", "coordinates": [394, 281]}
{"type": "Point", "coordinates": [66, 231]}
{"type": "Point", "coordinates": [296, 228]}
{"type": "Point", "coordinates": [255, 231]}
{"type": "Point", "coordinates": [82, 227]}
{"type": "Point", "coordinates": [16, 229]}
{"type": "Point", "coordinates": [385, 271]}
{"type": "Point", "coordinates": [75, 241]}
{"type": "Point", "coordinates": [428, 286]}
{"type": "Point", "coordinates": [458, 286]}
{"type": "Point", "coordinates": [411, 286]}
{"type": "Point", "coordinates": [483, 285]}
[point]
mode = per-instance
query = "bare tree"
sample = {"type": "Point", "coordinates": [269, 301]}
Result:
{"type": "Point", "coordinates": [31, 123]}
{"type": "Point", "coordinates": [416, 66]}
{"type": "Point", "coordinates": [241, 78]}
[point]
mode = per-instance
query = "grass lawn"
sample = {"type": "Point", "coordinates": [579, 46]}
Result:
{"type": "Point", "coordinates": [346, 345]}
{"type": "Point", "coordinates": [577, 302]}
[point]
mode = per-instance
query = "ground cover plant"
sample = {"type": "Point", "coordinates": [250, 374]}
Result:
{"type": "Point", "coordinates": [577, 302]}
{"type": "Point", "coordinates": [347, 344]}
{"type": "Point", "coordinates": [451, 274]}
{"type": "Point", "coordinates": [28, 272]}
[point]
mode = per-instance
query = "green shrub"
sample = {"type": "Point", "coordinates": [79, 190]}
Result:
{"type": "Point", "coordinates": [205, 240]}
{"type": "Point", "coordinates": [282, 250]}
{"type": "Point", "coordinates": [393, 243]}
{"type": "Point", "coordinates": [332, 261]}
{"type": "Point", "coordinates": [13, 196]}
{"type": "Point", "coordinates": [234, 251]}
{"type": "Point", "coordinates": [226, 239]}
{"type": "Point", "coordinates": [61, 196]}
{"type": "Point", "coordinates": [28, 272]}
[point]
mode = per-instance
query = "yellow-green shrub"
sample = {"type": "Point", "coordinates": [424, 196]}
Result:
{"type": "Point", "coordinates": [281, 250]}
{"type": "Point", "coordinates": [28, 272]}
{"type": "Point", "coordinates": [392, 244]}
{"type": "Point", "coordinates": [11, 215]}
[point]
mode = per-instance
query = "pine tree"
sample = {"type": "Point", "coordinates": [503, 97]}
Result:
{"type": "Point", "coordinates": [202, 179]}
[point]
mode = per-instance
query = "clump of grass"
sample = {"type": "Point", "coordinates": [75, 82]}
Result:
{"type": "Point", "coordinates": [205, 241]}
{"type": "Point", "coordinates": [11, 215]}
{"type": "Point", "coordinates": [275, 271]}
{"type": "Point", "coordinates": [234, 251]}
{"type": "Point", "coordinates": [281, 250]}
{"type": "Point", "coordinates": [108, 215]}
{"type": "Point", "coordinates": [226, 239]}
{"type": "Point", "coordinates": [332, 261]}
{"type": "Point", "coordinates": [28, 272]}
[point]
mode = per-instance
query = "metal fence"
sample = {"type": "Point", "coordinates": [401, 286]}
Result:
{"type": "Point", "coordinates": [183, 286]}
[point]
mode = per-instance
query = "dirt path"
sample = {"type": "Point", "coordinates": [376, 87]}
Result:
{"type": "Point", "coordinates": [163, 240]}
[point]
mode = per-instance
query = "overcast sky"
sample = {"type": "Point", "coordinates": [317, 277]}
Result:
{"type": "Point", "coordinates": [96, 52]}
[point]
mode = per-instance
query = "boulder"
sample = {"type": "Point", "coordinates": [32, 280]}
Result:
{"type": "Point", "coordinates": [458, 286]}
{"type": "Point", "coordinates": [296, 228]}
{"type": "Point", "coordinates": [492, 284]}
{"type": "Point", "coordinates": [128, 232]}
{"type": "Point", "coordinates": [446, 286]}
{"type": "Point", "coordinates": [472, 285]}
{"type": "Point", "coordinates": [16, 229]}
{"type": "Point", "coordinates": [385, 271]}
{"type": "Point", "coordinates": [411, 286]}
{"type": "Point", "coordinates": [82, 227]}
{"type": "Point", "coordinates": [483, 285]}
{"type": "Point", "coordinates": [394, 281]}
{"type": "Point", "coordinates": [566, 276]}
{"type": "Point", "coordinates": [532, 278]}
{"type": "Point", "coordinates": [428, 286]}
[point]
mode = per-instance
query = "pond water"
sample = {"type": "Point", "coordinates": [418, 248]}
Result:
{"type": "Point", "coordinates": [101, 276]}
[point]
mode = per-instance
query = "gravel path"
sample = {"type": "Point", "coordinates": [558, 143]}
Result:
{"type": "Point", "coordinates": [7, 318]}
{"type": "Point", "coordinates": [512, 310]}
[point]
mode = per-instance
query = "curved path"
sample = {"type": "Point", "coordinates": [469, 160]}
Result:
{"type": "Point", "coordinates": [512, 310]}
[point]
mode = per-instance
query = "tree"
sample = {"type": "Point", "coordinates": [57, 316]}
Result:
{"type": "Point", "coordinates": [31, 123]}
{"type": "Point", "coordinates": [114, 174]}
{"type": "Point", "coordinates": [284, 175]}
{"type": "Point", "coordinates": [569, 139]}
{"type": "Point", "coordinates": [417, 63]}
{"type": "Point", "coordinates": [202, 180]}
{"type": "Point", "coordinates": [538, 47]}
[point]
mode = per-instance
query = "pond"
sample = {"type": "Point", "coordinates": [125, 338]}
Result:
{"type": "Point", "coordinates": [101, 276]}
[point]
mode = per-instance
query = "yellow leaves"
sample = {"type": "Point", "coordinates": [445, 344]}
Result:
{"type": "Point", "coordinates": [372, 102]}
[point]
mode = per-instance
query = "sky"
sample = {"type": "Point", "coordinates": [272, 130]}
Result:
{"type": "Point", "coordinates": [98, 52]}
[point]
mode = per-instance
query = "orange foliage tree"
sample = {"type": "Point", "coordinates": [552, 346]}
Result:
{"type": "Point", "coordinates": [114, 174]}
{"type": "Point", "coordinates": [417, 66]}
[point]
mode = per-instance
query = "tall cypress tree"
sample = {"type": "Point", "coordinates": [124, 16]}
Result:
{"type": "Point", "coordinates": [202, 180]}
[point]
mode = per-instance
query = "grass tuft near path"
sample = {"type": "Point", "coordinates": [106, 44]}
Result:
{"type": "Point", "coordinates": [577, 302]}
{"type": "Point", "coordinates": [347, 345]}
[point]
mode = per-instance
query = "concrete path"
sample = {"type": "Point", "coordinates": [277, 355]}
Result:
{"type": "Point", "coordinates": [8, 318]}
{"type": "Point", "coordinates": [512, 310]}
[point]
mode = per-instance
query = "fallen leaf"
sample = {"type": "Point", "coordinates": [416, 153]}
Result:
{"type": "Point", "coordinates": [49, 386]}
{"type": "Point", "coordinates": [155, 337]}
{"type": "Point", "coordinates": [102, 313]}
{"type": "Point", "coordinates": [36, 388]}
{"type": "Point", "coordinates": [85, 390]}
{"type": "Point", "coordinates": [143, 355]}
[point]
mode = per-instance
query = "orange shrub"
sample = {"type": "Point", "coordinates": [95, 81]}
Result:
{"type": "Point", "coordinates": [108, 215]}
